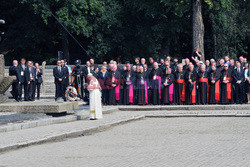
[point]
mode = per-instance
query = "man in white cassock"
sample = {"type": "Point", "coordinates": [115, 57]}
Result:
{"type": "Point", "coordinates": [95, 97]}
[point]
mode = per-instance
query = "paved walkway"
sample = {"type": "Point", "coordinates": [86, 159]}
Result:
{"type": "Point", "coordinates": [148, 142]}
{"type": "Point", "coordinates": [61, 130]}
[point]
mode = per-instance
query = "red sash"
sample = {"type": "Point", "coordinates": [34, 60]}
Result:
{"type": "Point", "coordinates": [194, 93]}
{"type": "Point", "coordinates": [183, 88]}
{"type": "Point", "coordinates": [217, 90]}
{"type": "Point", "coordinates": [206, 81]}
{"type": "Point", "coordinates": [228, 88]}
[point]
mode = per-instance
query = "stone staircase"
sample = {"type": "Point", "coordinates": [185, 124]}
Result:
{"type": "Point", "coordinates": [48, 86]}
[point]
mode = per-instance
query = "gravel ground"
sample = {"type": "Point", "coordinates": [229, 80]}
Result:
{"type": "Point", "coordinates": [148, 142]}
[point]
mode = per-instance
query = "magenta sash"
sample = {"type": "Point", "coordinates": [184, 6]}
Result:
{"type": "Point", "coordinates": [146, 92]}
{"type": "Point", "coordinates": [159, 85]}
{"type": "Point", "coordinates": [131, 93]}
{"type": "Point", "coordinates": [117, 90]}
{"type": "Point", "coordinates": [171, 91]}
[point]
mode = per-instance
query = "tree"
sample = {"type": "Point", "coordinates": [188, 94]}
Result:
{"type": "Point", "coordinates": [198, 28]}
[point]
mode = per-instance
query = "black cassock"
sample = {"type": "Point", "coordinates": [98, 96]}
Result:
{"type": "Point", "coordinates": [238, 75]}
{"type": "Point", "coordinates": [155, 77]}
{"type": "Point", "coordinates": [214, 88]}
{"type": "Point", "coordinates": [202, 87]}
{"type": "Point", "coordinates": [179, 87]}
{"type": "Point", "coordinates": [168, 91]}
{"type": "Point", "coordinates": [129, 87]}
{"type": "Point", "coordinates": [191, 87]}
{"type": "Point", "coordinates": [226, 88]}
{"type": "Point", "coordinates": [113, 92]}
{"type": "Point", "coordinates": [142, 88]}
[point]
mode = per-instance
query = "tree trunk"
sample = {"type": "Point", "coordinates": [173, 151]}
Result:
{"type": "Point", "coordinates": [198, 28]}
{"type": "Point", "coordinates": [65, 47]}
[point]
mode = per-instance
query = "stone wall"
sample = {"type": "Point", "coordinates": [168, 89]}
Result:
{"type": "Point", "coordinates": [2, 67]}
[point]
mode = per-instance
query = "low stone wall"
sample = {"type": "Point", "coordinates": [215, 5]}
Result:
{"type": "Point", "coordinates": [39, 107]}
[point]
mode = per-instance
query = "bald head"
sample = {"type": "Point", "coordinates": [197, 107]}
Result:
{"type": "Point", "coordinates": [203, 68]}
{"type": "Point", "coordinates": [155, 65]}
{"type": "Point", "coordinates": [180, 67]}
{"type": "Point", "coordinates": [191, 67]}
{"type": "Point", "coordinates": [15, 62]}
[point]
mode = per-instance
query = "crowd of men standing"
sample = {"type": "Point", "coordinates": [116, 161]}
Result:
{"type": "Point", "coordinates": [163, 82]}
{"type": "Point", "coordinates": [28, 79]}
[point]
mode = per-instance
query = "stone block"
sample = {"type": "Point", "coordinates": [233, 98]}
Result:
{"type": "Point", "coordinates": [38, 107]}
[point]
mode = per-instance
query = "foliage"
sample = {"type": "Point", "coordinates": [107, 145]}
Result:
{"type": "Point", "coordinates": [109, 29]}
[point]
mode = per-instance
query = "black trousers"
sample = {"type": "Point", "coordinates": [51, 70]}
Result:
{"type": "Point", "coordinates": [38, 88]}
{"type": "Point", "coordinates": [16, 91]}
{"type": "Point", "coordinates": [31, 90]}
{"type": "Point", "coordinates": [60, 90]}
{"type": "Point", "coordinates": [26, 93]}
{"type": "Point", "coordinates": [239, 93]}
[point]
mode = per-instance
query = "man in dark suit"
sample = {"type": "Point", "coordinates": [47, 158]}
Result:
{"type": "Point", "coordinates": [24, 85]}
{"type": "Point", "coordinates": [39, 80]}
{"type": "Point", "coordinates": [86, 71]}
{"type": "Point", "coordinates": [14, 71]}
{"type": "Point", "coordinates": [59, 74]}
{"type": "Point", "coordinates": [67, 74]}
{"type": "Point", "coordinates": [30, 79]}
{"type": "Point", "coordinates": [239, 79]}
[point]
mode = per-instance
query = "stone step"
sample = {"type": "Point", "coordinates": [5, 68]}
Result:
{"type": "Point", "coordinates": [185, 107]}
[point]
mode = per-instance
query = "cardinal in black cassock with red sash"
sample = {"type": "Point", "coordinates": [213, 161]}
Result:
{"type": "Point", "coordinates": [155, 77]}
{"type": "Point", "coordinates": [168, 87]}
{"type": "Point", "coordinates": [226, 85]}
{"type": "Point", "coordinates": [180, 85]}
{"type": "Point", "coordinates": [203, 86]}
{"type": "Point", "coordinates": [214, 86]}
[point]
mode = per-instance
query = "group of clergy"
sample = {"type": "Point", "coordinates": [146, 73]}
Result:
{"type": "Point", "coordinates": [170, 82]}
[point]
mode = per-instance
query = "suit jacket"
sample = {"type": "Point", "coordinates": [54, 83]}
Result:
{"type": "Point", "coordinates": [14, 71]}
{"type": "Point", "coordinates": [30, 73]}
{"type": "Point", "coordinates": [59, 74]}
{"type": "Point", "coordinates": [23, 72]}
{"type": "Point", "coordinates": [66, 70]}
{"type": "Point", "coordinates": [239, 76]}
{"type": "Point", "coordinates": [39, 74]}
